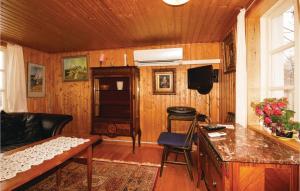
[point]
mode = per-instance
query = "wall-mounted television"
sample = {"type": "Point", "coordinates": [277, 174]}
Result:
{"type": "Point", "coordinates": [201, 79]}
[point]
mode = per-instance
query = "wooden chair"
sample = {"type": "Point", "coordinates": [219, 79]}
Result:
{"type": "Point", "coordinates": [230, 117]}
{"type": "Point", "coordinates": [178, 143]}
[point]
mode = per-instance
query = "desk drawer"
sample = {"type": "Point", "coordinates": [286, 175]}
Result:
{"type": "Point", "coordinates": [208, 150]}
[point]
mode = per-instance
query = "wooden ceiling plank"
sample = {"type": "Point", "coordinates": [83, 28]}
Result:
{"type": "Point", "coordinates": [19, 17]}
{"type": "Point", "coordinates": [71, 25]}
{"type": "Point", "coordinates": [203, 24]}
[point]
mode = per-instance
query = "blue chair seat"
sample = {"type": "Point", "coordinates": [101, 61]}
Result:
{"type": "Point", "coordinates": [172, 139]}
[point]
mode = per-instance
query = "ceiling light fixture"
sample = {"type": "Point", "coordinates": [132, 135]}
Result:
{"type": "Point", "coordinates": [175, 2]}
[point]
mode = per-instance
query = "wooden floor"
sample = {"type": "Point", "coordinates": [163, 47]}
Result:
{"type": "Point", "coordinates": [174, 178]}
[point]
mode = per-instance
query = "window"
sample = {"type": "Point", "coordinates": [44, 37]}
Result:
{"type": "Point", "coordinates": [2, 76]}
{"type": "Point", "coordinates": [278, 59]}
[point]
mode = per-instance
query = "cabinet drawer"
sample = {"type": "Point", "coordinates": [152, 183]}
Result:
{"type": "Point", "coordinates": [111, 128]}
{"type": "Point", "coordinates": [213, 178]}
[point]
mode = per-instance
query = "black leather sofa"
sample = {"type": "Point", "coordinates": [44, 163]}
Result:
{"type": "Point", "coordinates": [19, 129]}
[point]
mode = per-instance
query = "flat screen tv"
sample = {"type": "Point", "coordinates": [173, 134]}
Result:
{"type": "Point", "coordinates": [201, 79]}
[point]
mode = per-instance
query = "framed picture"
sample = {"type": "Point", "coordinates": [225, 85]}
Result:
{"type": "Point", "coordinates": [229, 52]}
{"type": "Point", "coordinates": [36, 80]}
{"type": "Point", "coordinates": [75, 68]}
{"type": "Point", "coordinates": [164, 81]}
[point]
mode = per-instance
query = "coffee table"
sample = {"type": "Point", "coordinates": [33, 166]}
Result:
{"type": "Point", "coordinates": [37, 170]}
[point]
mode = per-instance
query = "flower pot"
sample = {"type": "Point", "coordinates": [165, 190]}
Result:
{"type": "Point", "coordinates": [274, 127]}
{"type": "Point", "coordinates": [285, 134]}
{"type": "Point", "coordinates": [267, 129]}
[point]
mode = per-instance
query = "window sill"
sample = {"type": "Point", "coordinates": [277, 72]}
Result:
{"type": "Point", "coordinates": [292, 143]}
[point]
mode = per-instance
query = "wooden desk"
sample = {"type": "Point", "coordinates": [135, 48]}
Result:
{"type": "Point", "coordinates": [245, 159]}
{"type": "Point", "coordinates": [37, 170]}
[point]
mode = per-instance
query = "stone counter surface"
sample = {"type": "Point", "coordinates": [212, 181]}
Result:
{"type": "Point", "coordinates": [246, 145]}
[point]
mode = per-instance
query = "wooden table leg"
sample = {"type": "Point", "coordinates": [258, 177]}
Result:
{"type": "Point", "coordinates": [89, 167]}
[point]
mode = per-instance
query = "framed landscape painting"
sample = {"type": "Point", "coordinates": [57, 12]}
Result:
{"type": "Point", "coordinates": [75, 68]}
{"type": "Point", "coordinates": [36, 80]}
{"type": "Point", "coordinates": [164, 81]}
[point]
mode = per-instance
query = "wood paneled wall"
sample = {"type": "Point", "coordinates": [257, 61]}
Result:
{"type": "Point", "coordinates": [75, 97]}
{"type": "Point", "coordinates": [227, 89]}
{"type": "Point", "coordinates": [44, 104]}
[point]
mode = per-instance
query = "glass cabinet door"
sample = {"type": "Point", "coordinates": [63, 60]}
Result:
{"type": "Point", "coordinates": [112, 97]}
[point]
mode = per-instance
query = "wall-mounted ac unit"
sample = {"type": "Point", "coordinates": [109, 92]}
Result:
{"type": "Point", "coordinates": [158, 57]}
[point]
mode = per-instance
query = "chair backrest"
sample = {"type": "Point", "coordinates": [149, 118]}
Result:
{"type": "Point", "coordinates": [230, 117]}
{"type": "Point", "coordinates": [190, 132]}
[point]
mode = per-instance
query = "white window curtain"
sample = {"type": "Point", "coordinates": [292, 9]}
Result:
{"type": "Point", "coordinates": [297, 58]}
{"type": "Point", "coordinates": [15, 86]}
{"type": "Point", "coordinates": [241, 71]}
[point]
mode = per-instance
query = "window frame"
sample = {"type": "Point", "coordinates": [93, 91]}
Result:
{"type": "Point", "coordinates": [266, 52]}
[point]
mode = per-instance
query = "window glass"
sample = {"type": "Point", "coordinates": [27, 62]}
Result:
{"type": "Point", "coordinates": [281, 65]}
{"type": "Point", "coordinates": [276, 71]}
{"type": "Point", "coordinates": [288, 25]}
{"type": "Point", "coordinates": [282, 29]}
{"type": "Point", "coordinates": [289, 66]}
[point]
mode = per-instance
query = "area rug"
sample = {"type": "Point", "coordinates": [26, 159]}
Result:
{"type": "Point", "coordinates": [107, 176]}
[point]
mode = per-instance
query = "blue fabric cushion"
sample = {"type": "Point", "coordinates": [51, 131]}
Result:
{"type": "Point", "coordinates": [172, 139]}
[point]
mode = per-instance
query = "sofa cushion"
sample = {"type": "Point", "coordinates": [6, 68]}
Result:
{"type": "Point", "coordinates": [33, 129]}
{"type": "Point", "coordinates": [12, 129]}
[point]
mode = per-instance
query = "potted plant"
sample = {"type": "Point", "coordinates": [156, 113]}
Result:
{"type": "Point", "coordinates": [276, 116]}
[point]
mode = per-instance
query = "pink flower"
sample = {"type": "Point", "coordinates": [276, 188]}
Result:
{"type": "Point", "coordinates": [259, 111]}
{"type": "Point", "coordinates": [281, 104]}
{"type": "Point", "coordinates": [277, 112]}
{"type": "Point", "coordinates": [268, 109]}
{"type": "Point", "coordinates": [274, 106]}
{"type": "Point", "coordinates": [268, 120]}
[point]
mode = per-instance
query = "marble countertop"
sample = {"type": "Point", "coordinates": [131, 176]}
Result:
{"type": "Point", "coordinates": [246, 145]}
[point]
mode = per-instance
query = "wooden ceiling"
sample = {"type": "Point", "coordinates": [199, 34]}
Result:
{"type": "Point", "coordinates": [71, 25]}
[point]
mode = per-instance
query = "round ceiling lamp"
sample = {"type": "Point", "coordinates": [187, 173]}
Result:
{"type": "Point", "coordinates": [175, 2]}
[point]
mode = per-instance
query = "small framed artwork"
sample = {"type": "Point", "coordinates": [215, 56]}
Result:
{"type": "Point", "coordinates": [229, 52]}
{"type": "Point", "coordinates": [36, 80]}
{"type": "Point", "coordinates": [164, 81]}
{"type": "Point", "coordinates": [75, 68]}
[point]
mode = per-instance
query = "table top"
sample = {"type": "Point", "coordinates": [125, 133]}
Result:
{"type": "Point", "coordinates": [47, 165]}
{"type": "Point", "coordinates": [246, 145]}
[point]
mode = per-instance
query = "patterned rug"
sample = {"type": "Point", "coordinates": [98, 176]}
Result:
{"type": "Point", "coordinates": [107, 176]}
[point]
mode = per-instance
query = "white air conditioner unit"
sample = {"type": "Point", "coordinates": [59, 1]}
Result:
{"type": "Point", "coordinates": [158, 57]}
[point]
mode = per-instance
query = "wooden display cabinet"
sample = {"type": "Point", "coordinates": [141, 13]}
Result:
{"type": "Point", "coordinates": [115, 102]}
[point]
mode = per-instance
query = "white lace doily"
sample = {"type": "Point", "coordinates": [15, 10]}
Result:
{"type": "Point", "coordinates": [21, 161]}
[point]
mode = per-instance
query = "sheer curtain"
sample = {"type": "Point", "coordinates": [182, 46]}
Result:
{"type": "Point", "coordinates": [297, 58]}
{"type": "Point", "coordinates": [241, 71]}
{"type": "Point", "coordinates": [15, 84]}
